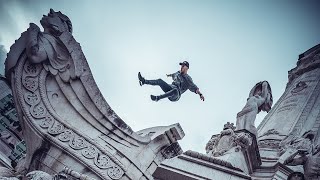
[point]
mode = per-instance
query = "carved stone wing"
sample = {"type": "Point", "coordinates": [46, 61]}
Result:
{"type": "Point", "coordinates": [64, 108]}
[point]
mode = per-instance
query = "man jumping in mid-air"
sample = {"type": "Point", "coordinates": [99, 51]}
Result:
{"type": "Point", "coordinates": [181, 82]}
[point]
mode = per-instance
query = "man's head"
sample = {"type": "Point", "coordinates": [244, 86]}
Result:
{"type": "Point", "coordinates": [184, 67]}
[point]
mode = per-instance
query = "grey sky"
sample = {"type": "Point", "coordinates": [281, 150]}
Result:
{"type": "Point", "coordinates": [231, 45]}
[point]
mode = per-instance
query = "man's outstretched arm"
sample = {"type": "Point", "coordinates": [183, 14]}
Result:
{"type": "Point", "coordinates": [171, 75]}
{"type": "Point", "coordinates": [200, 94]}
{"type": "Point", "coordinates": [194, 88]}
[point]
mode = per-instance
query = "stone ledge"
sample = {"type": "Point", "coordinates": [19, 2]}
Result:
{"type": "Point", "coordinates": [207, 158]}
{"type": "Point", "coordinates": [193, 165]}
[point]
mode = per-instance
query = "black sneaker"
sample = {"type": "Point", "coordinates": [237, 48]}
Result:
{"type": "Point", "coordinates": [141, 79]}
{"type": "Point", "coordinates": [154, 98]}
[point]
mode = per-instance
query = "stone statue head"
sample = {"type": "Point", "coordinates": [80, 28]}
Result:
{"type": "Point", "coordinates": [257, 91]}
{"type": "Point", "coordinates": [55, 23]}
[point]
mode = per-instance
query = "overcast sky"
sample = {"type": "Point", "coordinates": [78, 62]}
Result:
{"type": "Point", "coordinates": [230, 45]}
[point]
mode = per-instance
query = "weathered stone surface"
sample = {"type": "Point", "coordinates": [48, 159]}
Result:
{"type": "Point", "coordinates": [293, 123]}
{"type": "Point", "coordinates": [209, 158]}
{"type": "Point", "coordinates": [230, 155]}
{"type": "Point", "coordinates": [66, 121]}
{"type": "Point", "coordinates": [239, 148]}
{"type": "Point", "coordinates": [291, 144]}
{"type": "Point", "coordinates": [276, 172]}
{"type": "Point", "coordinates": [297, 112]}
{"type": "Point", "coordinates": [310, 161]}
{"type": "Point", "coordinates": [193, 165]}
{"type": "Point", "coordinates": [228, 139]}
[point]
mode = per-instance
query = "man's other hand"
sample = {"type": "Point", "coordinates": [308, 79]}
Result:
{"type": "Point", "coordinates": [202, 97]}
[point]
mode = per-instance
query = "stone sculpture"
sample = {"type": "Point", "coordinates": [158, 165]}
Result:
{"type": "Point", "coordinates": [219, 144]}
{"type": "Point", "coordinates": [45, 46]}
{"type": "Point", "coordinates": [65, 117]}
{"type": "Point", "coordinates": [260, 99]}
{"type": "Point", "coordinates": [38, 175]}
{"type": "Point", "coordinates": [65, 174]}
{"type": "Point", "coordinates": [7, 174]}
{"type": "Point", "coordinates": [291, 144]}
{"type": "Point", "coordinates": [233, 147]}
{"type": "Point", "coordinates": [310, 162]}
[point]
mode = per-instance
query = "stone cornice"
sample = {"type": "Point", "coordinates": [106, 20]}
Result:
{"type": "Point", "coordinates": [207, 158]}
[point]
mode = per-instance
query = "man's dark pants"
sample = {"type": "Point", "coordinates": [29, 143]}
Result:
{"type": "Point", "coordinates": [168, 89]}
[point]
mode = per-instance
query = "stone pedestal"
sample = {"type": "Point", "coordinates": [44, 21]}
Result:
{"type": "Point", "coordinates": [230, 155]}
{"type": "Point", "coordinates": [245, 158]}
{"type": "Point", "coordinates": [193, 165]}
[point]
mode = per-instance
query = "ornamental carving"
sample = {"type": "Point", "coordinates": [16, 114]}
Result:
{"type": "Point", "coordinates": [90, 152]}
{"type": "Point", "coordinates": [78, 143]}
{"type": "Point", "coordinates": [269, 143]}
{"type": "Point", "coordinates": [56, 128]}
{"type": "Point", "coordinates": [30, 83]}
{"type": "Point", "coordinates": [35, 106]}
{"type": "Point", "coordinates": [66, 136]}
{"type": "Point", "coordinates": [270, 132]}
{"type": "Point", "coordinates": [115, 172]}
{"type": "Point", "coordinates": [46, 122]}
{"type": "Point", "coordinates": [172, 151]}
{"type": "Point", "coordinates": [32, 98]}
{"type": "Point", "coordinates": [32, 70]}
{"type": "Point", "coordinates": [219, 144]}
{"type": "Point", "coordinates": [291, 144]}
{"type": "Point", "coordinates": [309, 159]}
{"type": "Point", "coordinates": [102, 161]}
{"type": "Point", "coordinates": [65, 174]}
{"type": "Point", "coordinates": [38, 111]}
{"type": "Point", "coordinates": [301, 85]}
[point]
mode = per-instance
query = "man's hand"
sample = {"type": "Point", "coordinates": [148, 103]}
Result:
{"type": "Point", "coordinates": [201, 97]}
{"type": "Point", "coordinates": [200, 94]}
{"type": "Point", "coordinates": [169, 75]}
